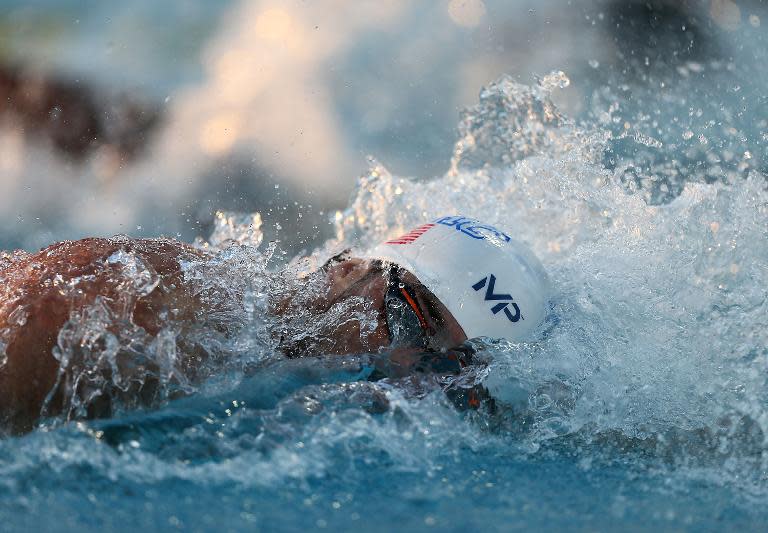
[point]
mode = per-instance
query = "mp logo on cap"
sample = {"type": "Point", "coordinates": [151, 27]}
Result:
{"type": "Point", "coordinates": [506, 299]}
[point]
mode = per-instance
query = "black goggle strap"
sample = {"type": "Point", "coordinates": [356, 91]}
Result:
{"type": "Point", "coordinates": [411, 301]}
{"type": "Point", "coordinates": [412, 328]}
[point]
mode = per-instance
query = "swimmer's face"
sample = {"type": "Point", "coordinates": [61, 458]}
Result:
{"type": "Point", "coordinates": [372, 280]}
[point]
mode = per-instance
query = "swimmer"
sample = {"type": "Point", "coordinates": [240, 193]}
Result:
{"type": "Point", "coordinates": [431, 290]}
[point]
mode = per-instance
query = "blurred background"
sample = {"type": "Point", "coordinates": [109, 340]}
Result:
{"type": "Point", "coordinates": [147, 117]}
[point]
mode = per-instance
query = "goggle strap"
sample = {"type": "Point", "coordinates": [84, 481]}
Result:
{"type": "Point", "coordinates": [415, 307]}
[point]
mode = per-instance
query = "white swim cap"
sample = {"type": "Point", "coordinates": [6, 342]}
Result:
{"type": "Point", "coordinates": [492, 285]}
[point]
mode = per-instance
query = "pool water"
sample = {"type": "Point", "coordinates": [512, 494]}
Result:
{"type": "Point", "coordinates": [641, 406]}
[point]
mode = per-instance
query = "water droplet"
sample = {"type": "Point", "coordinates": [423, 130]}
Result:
{"type": "Point", "coordinates": [237, 228]}
{"type": "Point", "coordinates": [555, 80]}
{"type": "Point", "coordinates": [141, 277]}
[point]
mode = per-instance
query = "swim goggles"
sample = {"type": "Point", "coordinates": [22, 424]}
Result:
{"type": "Point", "coordinates": [405, 319]}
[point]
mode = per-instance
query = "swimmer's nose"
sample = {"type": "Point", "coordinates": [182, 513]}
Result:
{"type": "Point", "coordinates": [350, 268]}
{"type": "Point", "coordinates": [352, 277]}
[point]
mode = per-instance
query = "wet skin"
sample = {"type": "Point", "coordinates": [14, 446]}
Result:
{"type": "Point", "coordinates": [39, 293]}
{"type": "Point", "coordinates": [35, 303]}
{"type": "Point", "coordinates": [352, 277]}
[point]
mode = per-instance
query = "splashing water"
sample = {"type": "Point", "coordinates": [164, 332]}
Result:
{"type": "Point", "coordinates": [658, 325]}
{"type": "Point", "coordinates": [644, 400]}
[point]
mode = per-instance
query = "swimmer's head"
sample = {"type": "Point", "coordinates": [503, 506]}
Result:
{"type": "Point", "coordinates": [408, 316]}
{"type": "Point", "coordinates": [430, 289]}
{"type": "Point", "coordinates": [491, 284]}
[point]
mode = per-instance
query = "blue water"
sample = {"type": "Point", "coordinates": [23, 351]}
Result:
{"type": "Point", "coordinates": [193, 466]}
{"type": "Point", "coordinates": [640, 406]}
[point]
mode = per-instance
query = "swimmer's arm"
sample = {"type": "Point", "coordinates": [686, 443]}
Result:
{"type": "Point", "coordinates": [41, 292]}
{"type": "Point", "coordinates": [400, 363]}
{"type": "Point", "coordinates": [454, 369]}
